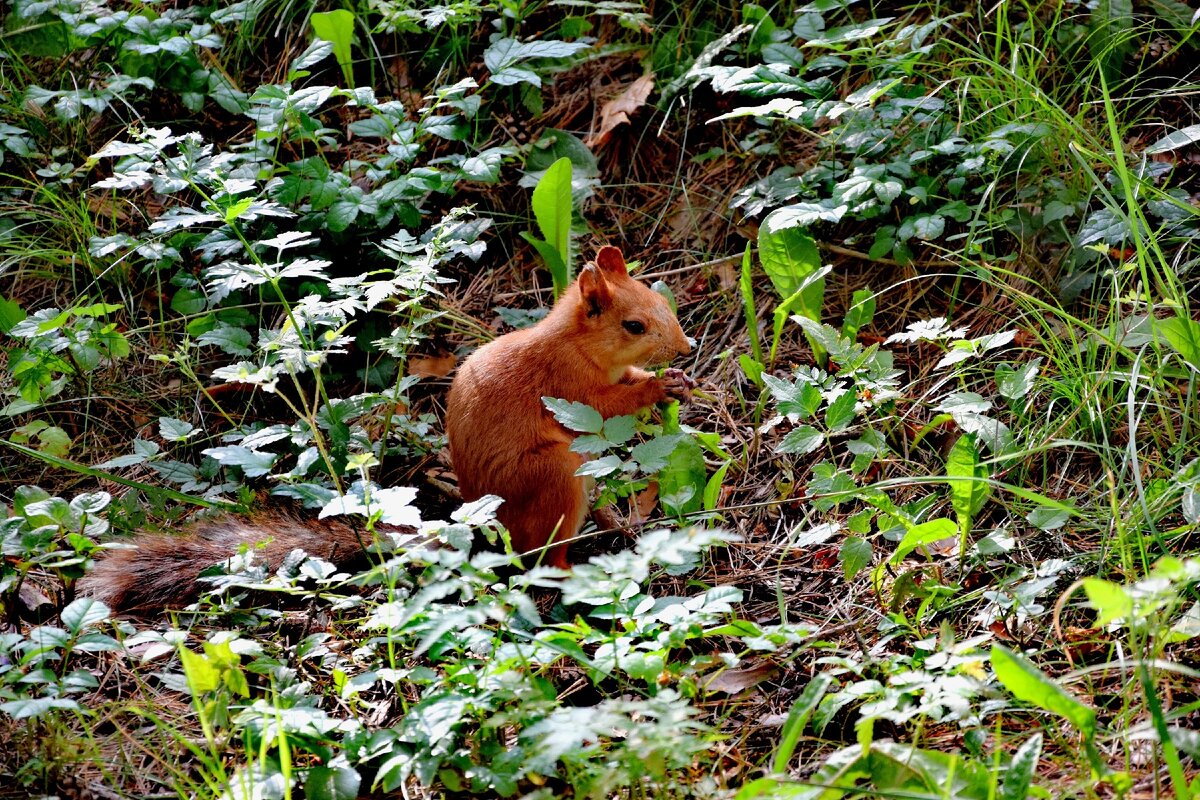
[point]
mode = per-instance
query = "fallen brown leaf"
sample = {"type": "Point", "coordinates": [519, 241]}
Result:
{"type": "Point", "coordinates": [736, 681]}
{"type": "Point", "coordinates": [616, 112]}
{"type": "Point", "coordinates": [432, 366]}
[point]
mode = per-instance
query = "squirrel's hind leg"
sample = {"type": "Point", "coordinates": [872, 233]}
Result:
{"type": "Point", "coordinates": [554, 509]}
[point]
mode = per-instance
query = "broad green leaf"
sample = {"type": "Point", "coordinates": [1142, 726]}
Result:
{"type": "Point", "coordinates": [559, 272]}
{"type": "Point", "coordinates": [840, 412]}
{"type": "Point", "coordinates": [332, 783]}
{"type": "Point", "coordinates": [10, 314]}
{"type": "Point", "coordinates": [788, 257]}
{"type": "Point", "coordinates": [860, 314]}
{"type": "Point", "coordinates": [1183, 334]}
{"type": "Point", "coordinates": [855, 555]}
{"type": "Point", "coordinates": [82, 613]}
{"type": "Point", "coordinates": [969, 490]}
{"type": "Point", "coordinates": [684, 474]}
{"type": "Point", "coordinates": [337, 28]}
{"type": "Point", "coordinates": [801, 440]}
{"type": "Point", "coordinates": [1112, 602]}
{"type": "Point", "coordinates": [1028, 683]}
{"type": "Point", "coordinates": [920, 535]}
{"type": "Point", "coordinates": [1175, 140]}
{"type": "Point", "coordinates": [552, 210]}
{"type": "Point", "coordinates": [1019, 775]}
{"type": "Point", "coordinates": [575, 416]}
{"type": "Point", "coordinates": [202, 676]}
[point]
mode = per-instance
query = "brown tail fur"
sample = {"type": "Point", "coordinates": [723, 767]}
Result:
{"type": "Point", "coordinates": [164, 570]}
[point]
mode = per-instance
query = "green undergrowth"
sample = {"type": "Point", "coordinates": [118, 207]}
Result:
{"type": "Point", "coordinates": [926, 531]}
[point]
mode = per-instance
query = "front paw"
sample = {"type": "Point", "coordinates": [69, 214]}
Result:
{"type": "Point", "coordinates": [677, 385]}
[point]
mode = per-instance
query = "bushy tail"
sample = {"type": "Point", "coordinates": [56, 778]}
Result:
{"type": "Point", "coordinates": [163, 571]}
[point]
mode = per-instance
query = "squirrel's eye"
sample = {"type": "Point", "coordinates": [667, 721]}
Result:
{"type": "Point", "coordinates": [634, 327]}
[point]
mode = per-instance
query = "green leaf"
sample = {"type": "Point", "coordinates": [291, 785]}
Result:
{"type": "Point", "coordinates": [619, 430]}
{"type": "Point", "coordinates": [337, 28]}
{"type": "Point", "coordinates": [684, 474]}
{"type": "Point", "coordinates": [920, 535]}
{"type": "Point", "coordinates": [1028, 683]}
{"type": "Point", "coordinates": [968, 490]}
{"type": "Point", "coordinates": [653, 455]}
{"type": "Point", "coordinates": [855, 555]}
{"type": "Point", "coordinates": [801, 440]}
{"type": "Point", "coordinates": [1019, 775]}
{"type": "Point", "coordinates": [712, 489]}
{"type": "Point", "coordinates": [175, 430]}
{"type": "Point", "coordinates": [751, 368]}
{"type": "Point", "coordinates": [252, 462]}
{"type": "Point", "coordinates": [575, 416]}
{"type": "Point", "coordinates": [746, 286]}
{"type": "Point", "coordinates": [559, 271]}
{"type": "Point", "coordinates": [840, 413]}
{"type": "Point", "coordinates": [10, 314]}
{"type": "Point", "coordinates": [599, 467]}
{"type": "Point", "coordinates": [860, 314]}
{"type": "Point", "coordinates": [788, 257]}
{"type": "Point", "coordinates": [202, 676]}
{"type": "Point", "coordinates": [83, 613]}
{"type": "Point", "coordinates": [552, 210]}
{"type": "Point", "coordinates": [1112, 602]}
{"type": "Point", "coordinates": [1183, 334]}
{"type": "Point", "coordinates": [330, 783]}
{"type": "Point", "coordinates": [1175, 140]}
{"type": "Point", "coordinates": [1016, 383]}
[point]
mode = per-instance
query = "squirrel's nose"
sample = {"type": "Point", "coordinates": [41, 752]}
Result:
{"type": "Point", "coordinates": [684, 346]}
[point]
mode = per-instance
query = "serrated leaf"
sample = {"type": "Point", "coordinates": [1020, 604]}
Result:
{"type": "Point", "coordinates": [801, 440]}
{"type": "Point", "coordinates": [840, 413]}
{"type": "Point", "coordinates": [175, 430]}
{"type": "Point", "coordinates": [1111, 601]}
{"type": "Point", "coordinates": [652, 456]}
{"type": "Point", "coordinates": [575, 416]}
{"type": "Point", "coordinates": [1014, 384]}
{"type": "Point", "coordinates": [252, 462]}
{"type": "Point", "coordinates": [599, 467]}
{"type": "Point", "coordinates": [855, 555]}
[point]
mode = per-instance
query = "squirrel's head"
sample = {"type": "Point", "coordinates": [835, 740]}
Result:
{"type": "Point", "coordinates": [626, 323]}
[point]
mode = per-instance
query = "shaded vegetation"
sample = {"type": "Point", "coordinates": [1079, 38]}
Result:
{"type": "Point", "coordinates": [927, 530]}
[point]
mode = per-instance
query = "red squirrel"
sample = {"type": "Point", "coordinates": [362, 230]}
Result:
{"type": "Point", "coordinates": [503, 441]}
{"type": "Point", "coordinates": [588, 349]}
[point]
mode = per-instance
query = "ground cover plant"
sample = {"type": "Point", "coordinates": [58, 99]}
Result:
{"type": "Point", "coordinates": [928, 529]}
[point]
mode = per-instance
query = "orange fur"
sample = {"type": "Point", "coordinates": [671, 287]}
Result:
{"type": "Point", "coordinates": [504, 442]}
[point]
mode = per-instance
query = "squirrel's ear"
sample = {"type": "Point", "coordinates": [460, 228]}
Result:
{"type": "Point", "coordinates": [612, 263]}
{"type": "Point", "coordinates": [593, 290]}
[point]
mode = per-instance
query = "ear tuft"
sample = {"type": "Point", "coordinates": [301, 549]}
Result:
{"type": "Point", "coordinates": [593, 290]}
{"type": "Point", "coordinates": [611, 262]}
